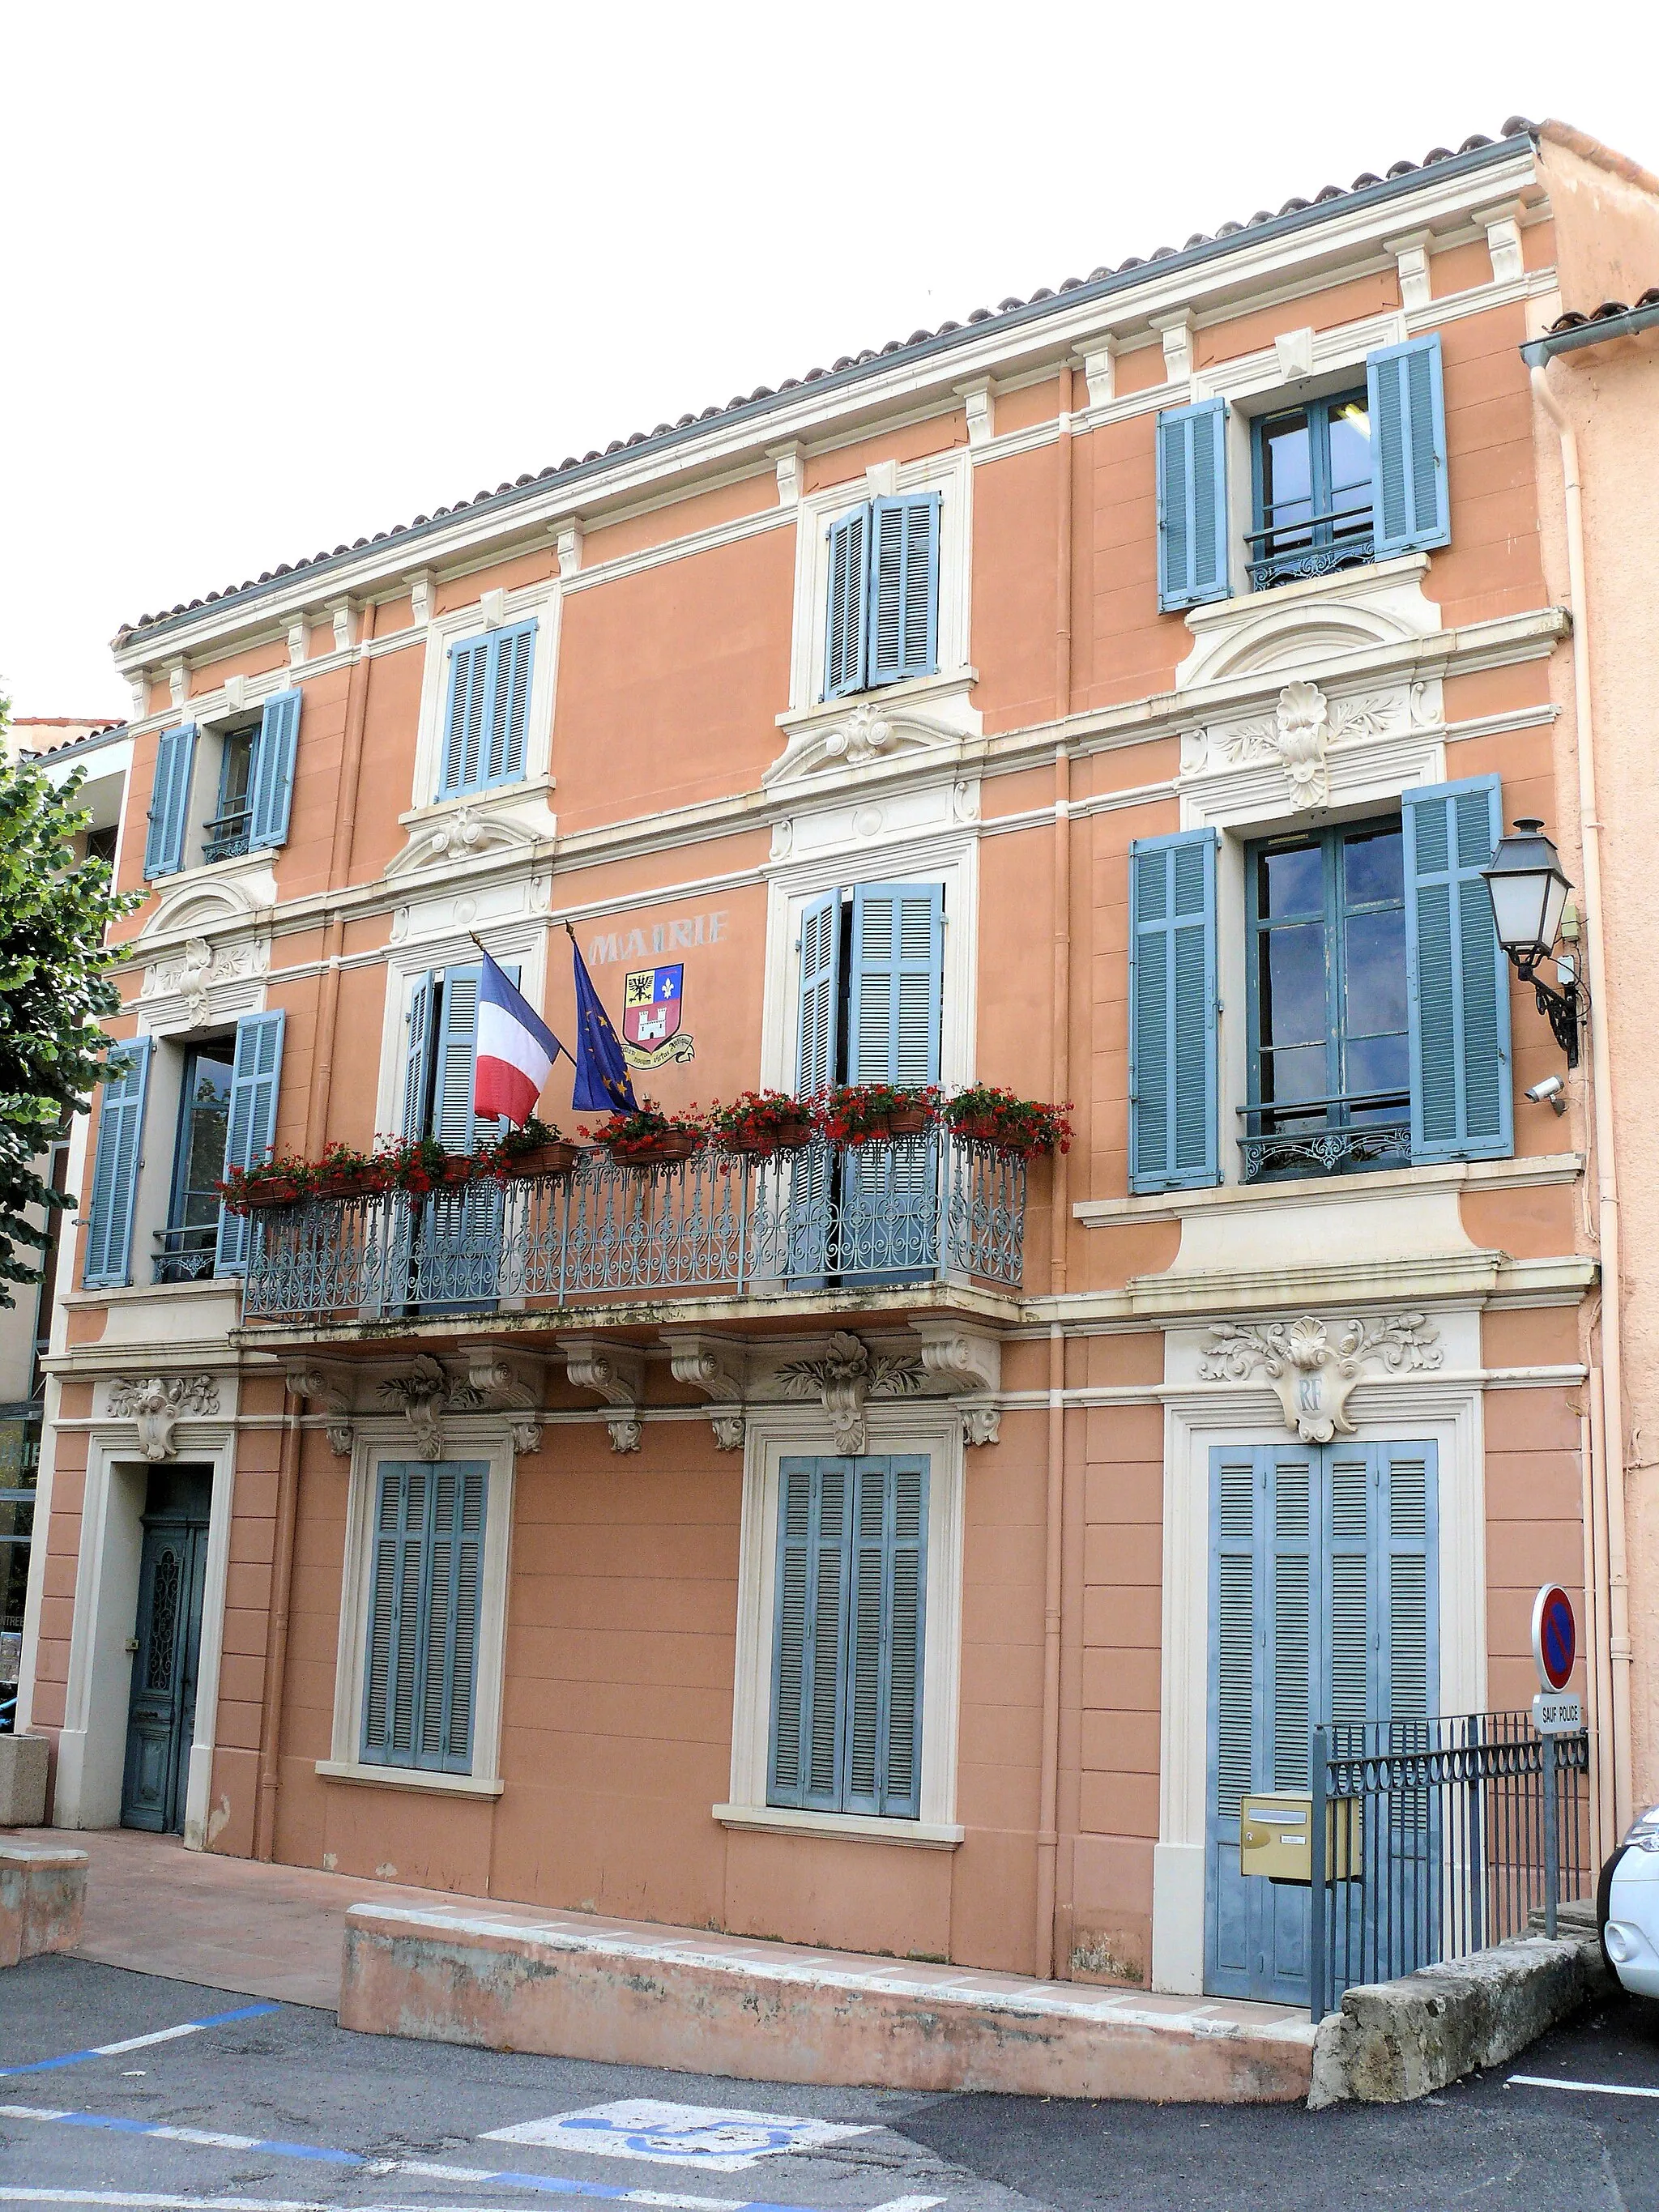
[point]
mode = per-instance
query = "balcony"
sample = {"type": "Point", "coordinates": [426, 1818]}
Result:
{"type": "Point", "coordinates": [890, 1214]}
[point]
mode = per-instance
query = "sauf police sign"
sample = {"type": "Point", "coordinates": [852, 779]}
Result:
{"type": "Point", "coordinates": [651, 1008]}
{"type": "Point", "coordinates": [1554, 1648]}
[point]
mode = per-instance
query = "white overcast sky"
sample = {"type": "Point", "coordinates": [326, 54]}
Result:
{"type": "Point", "coordinates": [273, 277]}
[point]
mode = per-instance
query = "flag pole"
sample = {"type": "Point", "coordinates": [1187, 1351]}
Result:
{"type": "Point", "coordinates": [563, 1048]}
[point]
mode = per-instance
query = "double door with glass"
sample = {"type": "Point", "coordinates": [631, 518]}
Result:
{"type": "Point", "coordinates": [1323, 1609]}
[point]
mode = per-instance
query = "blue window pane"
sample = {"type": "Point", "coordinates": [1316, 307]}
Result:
{"type": "Point", "coordinates": [1375, 978]}
{"type": "Point", "coordinates": [1380, 1063]}
{"type": "Point", "coordinates": [1287, 473]}
{"type": "Point", "coordinates": [1350, 464]}
{"type": "Point", "coordinates": [1293, 1073]}
{"type": "Point", "coordinates": [1293, 995]}
{"type": "Point", "coordinates": [1291, 881]}
{"type": "Point", "coordinates": [1373, 868]}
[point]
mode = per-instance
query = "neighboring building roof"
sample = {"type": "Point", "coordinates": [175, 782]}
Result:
{"type": "Point", "coordinates": [1202, 245]}
{"type": "Point", "coordinates": [1612, 320]}
{"type": "Point", "coordinates": [100, 734]}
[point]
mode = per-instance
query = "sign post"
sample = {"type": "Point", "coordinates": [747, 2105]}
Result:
{"type": "Point", "coordinates": [1554, 1648]}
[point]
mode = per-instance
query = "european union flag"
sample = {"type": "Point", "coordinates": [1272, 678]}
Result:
{"type": "Point", "coordinates": [602, 1079]}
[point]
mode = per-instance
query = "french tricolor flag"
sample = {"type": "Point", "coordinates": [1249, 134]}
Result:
{"type": "Point", "coordinates": [516, 1051]}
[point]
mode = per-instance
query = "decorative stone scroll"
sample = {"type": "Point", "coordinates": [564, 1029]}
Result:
{"type": "Point", "coordinates": [159, 1404]}
{"type": "Point", "coordinates": [614, 1372]}
{"type": "Point", "coordinates": [331, 1389]}
{"type": "Point", "coordinates": [1314, 1373]}
{"type": "Point", "coordinates": [715, 1366]}
{"type": "Point", "coordinates": [848, 1375]}
{"type": "Point", "coordinates": [968, 1362]}
{"type": "Point", "coordinates": [425, 1393]}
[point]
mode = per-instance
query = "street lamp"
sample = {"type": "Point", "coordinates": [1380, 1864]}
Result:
{"type": "Point", "coordinates": [1529, 892]}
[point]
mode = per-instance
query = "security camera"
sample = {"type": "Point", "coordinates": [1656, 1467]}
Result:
{"type": "Point", "coordinates": [1552, 1088]}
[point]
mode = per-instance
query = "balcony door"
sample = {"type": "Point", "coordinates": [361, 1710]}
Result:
{"type": "Point", "coordinates": [1323, 1607]}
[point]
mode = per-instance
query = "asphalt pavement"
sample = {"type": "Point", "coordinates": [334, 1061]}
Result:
{"type": "Point", "coordinates": [141, 2094]}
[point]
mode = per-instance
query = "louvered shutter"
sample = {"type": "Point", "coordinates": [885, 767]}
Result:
{"type": "Point", "coordinates": [845, 620]}
{"type": "Point", "coordinates": [392, 1674]}
{"type": "Point", "coordinates": [897, 981]}
{"type": "Point", "coordinates": [903, 596]}
{"type": "Point", "coordinates": [1173, 1081]}
{"type": "Point", "coordinates": [810, 1633]}
{"type": "Point", "coordinates": [117, 1159]}
{"type": "Point", "coordinates": [1410, 506]}
{"type": "Point", "coordinates": [169, 802]}
{"type": "Point", "coordinates": [465, 715]}
{"type": "Point", "coordinates": [1290, 1614]}
{"type": "Point", "coordinates": [883, 1764]}
{"type": "Point", "coordinates": [820, 995]}
{"type": "Point", "coordinates": [272, 780]}
{"type": "Point", "coordinates": [251, 1132]}
{"type": "Point", "coordinates": [454, 1124]}
{"type": "Point", "coordinates": [1456, 977]}
{"type": "Point", "coordinates": [512, 652]}
{"type": "Point", "coordinates": [450, 1632]}
{"type": "Point", "coordinates": [1405, 1600]}
{"type": "Point", "coordinates": [420, 1037]}
{"type": "Point", "coordinates": [1348, 1696]}
{"type": "Point", "coordinates": [1192, 504]}
{"type": "Point", "coordinates": [1234, 1494]}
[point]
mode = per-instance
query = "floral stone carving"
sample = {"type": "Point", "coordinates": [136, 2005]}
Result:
{"type": "Point", "coordinates": [1314, 1372]}
{"type": "Point", "coordinates": [159, 1404]}
{"type": "Point", "coordinates": [844, 1378]}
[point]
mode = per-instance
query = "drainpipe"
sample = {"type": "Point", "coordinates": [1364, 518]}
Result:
{"type": "Point", "coordinates": [1610, 1470]}
{"type": "Point", "coordinates": [1054, 1498]}
{"type": "Point", "coordinates": [287, 1473]}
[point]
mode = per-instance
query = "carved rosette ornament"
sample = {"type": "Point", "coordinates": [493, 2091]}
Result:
{"type": "Point", "coordinates": [1314, 1372]}
{"type": "Point", "coordinates": [159, 1404]}
{"type": "Point", "coordinates": [848, 1375]}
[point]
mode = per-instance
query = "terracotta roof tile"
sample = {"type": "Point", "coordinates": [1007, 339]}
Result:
{"type": "Point", "coordinates": [1608, 312]}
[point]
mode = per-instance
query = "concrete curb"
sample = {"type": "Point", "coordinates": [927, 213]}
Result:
{"type": "Point", "coordinates": [1394, 2041]}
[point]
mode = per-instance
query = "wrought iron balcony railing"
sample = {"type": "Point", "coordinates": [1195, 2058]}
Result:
{"type": "Point", "coordinates": [904, 1211]}
{"type": "Point", "coordinates": [1324, 1136]}
{"type": "Point", "coordinates": [188, 1253]}
{"type": "Point", "coordinates": [1316, 545]}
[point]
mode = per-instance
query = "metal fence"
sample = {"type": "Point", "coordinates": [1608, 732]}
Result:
{"type": "Point", "coordinates": [905, 1210]}
{"type": "Point", "coordinates": [1434, 1838]}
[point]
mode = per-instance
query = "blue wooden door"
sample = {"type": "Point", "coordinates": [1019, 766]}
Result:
{"type": "Point", "coordinates": [1323, 1607]}
{"type": "Point", "coordinates": [161, 1710]}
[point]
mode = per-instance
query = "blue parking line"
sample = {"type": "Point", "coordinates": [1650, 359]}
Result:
{"type": "Point", "coordinates": [547, 2184]}
{"type": "Point", "coordinates": [138, 2042]}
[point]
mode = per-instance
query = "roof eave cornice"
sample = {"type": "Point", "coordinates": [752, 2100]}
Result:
{"type": "Point", "coordinates": [933, 366]}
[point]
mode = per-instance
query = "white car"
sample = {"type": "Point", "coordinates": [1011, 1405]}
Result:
{"type": "Point", "coordinates": [1627, 1908]}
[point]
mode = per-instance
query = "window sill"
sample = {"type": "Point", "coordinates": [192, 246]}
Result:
{"type": "Point", "coordinates": [844, 1827]}
{"type": "Point", "coordinates": [408, 1777]}
{"type": "Point", "coordinates": [1529, 1171]}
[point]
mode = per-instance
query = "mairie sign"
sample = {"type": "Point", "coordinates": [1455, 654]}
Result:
{"type": "Point", "coordinates": [651, 1008]}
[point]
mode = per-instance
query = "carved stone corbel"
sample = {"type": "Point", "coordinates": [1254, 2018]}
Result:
{"type": "Point", "coordinates": [844, 1378]}
{"type": "Point", "coordinates": [509, 1385]}
{"type": "Point", "coordinates": [968, 1361]}
{"type": "Point", "coordinates": [331, 1389]}
{"type": "Point", "coordinates": [616, 1373]}
{"type": "Point", "coordinates": [715, 1365]}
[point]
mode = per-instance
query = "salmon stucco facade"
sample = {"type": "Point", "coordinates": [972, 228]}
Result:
{"type": "Point", "coordinates": [910, 1546]}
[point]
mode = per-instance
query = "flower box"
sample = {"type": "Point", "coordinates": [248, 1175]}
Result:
{"type": "Point", "coordinates": [1003, 1121]}
{"type": "Point", "coordinates": [346, 1183]}
{"type": "Point", "coordinates": [908, 1122]}
{"type": "Point", "coordinates": [555, 1157]}
{"type": "Point", "coordinates": [261, 1191]}
{"type": "Point", "coordinates": [665, 1149]}
{"type": "Point", "coordinates": [782, 1136]}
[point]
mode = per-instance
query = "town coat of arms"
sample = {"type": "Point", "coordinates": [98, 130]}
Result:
{"type": "Point", "coordinates": [651, 1008]}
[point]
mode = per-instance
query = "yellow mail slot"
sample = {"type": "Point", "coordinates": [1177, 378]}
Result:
{"type": "Point", "coordinates": [1275, 1837]}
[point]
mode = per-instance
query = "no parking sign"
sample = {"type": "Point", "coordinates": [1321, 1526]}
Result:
{"type": "Point", "coordinates": [1554, 1648]}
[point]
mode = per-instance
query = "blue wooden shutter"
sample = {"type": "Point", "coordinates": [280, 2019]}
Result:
{"type": "Point", "coordinates": [465, 715]}
{"type": "Point", "coordinates": [449, 1635]}
{"type": "Point", "coordinates": [256, 1075]}
{"type": "Point", "coordinates": [1350, 1537]}
{"type": "Point", "coordinates": [1456, 978]}
{"type": "Point", "coordinates": [903, 596]}
{"type": "Point", "coordinates": [116, 1162]}
{"type": "Point", "coordinates": [1192, 504]}
{"type": "Point", "coordinates": [1290, 1617]}
{"type": "Point", "coordinates": [897, 982]}
{"type": "Point", "coordinates": [454, 1123]}
{"type": "Point", "coordinates": [169, 802]}
{"type": "Point", "coordinates": [1409, 502]}
{"type": "Point", "coordinates": [511, 658]}
{"type": "Point", "coordinates": [808, 1635]}
{"type": "Point", "coordinates": [391, 1669]}
{"type": "Point", "coordinates": [270, 791]}
{"type": "Point", "coordinates": [845, 622]}
{"type": "Point", "coordinates": [419, 1043]}
{"type": "Point", "coordinates": [1173, 1080]}
{"type": "Point", "coordinates": [885, 1625]}
{"type": "Point", "coordinates": [820, 995]}
{"type": "Point", "coordinates": [1406, 1602]}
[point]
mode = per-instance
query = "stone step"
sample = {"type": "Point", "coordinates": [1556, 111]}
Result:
{"type": "Point", "coordinates": [567, 1986]}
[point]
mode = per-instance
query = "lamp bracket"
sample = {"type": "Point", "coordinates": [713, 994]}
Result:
{"type": "Point", "coordinates": [1560, 1008]}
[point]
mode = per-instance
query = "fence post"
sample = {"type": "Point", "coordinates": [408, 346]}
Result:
{"type": "Point", "coordinates": [1316, 1938]}
{"type": "Point", "coordinates": [1552, 1841]}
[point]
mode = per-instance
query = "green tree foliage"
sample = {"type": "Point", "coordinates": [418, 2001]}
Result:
{"type": "Point", "coordinates": [55, 983]}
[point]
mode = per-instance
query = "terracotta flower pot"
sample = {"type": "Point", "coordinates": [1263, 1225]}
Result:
{"type": "Point", "coordinates": [665, 1151]}
{"type": "Point", "coordinates": [270, 1190]}
{"type": "Point", "coordinates": [349, 1184]}
{"type": "Point", "coordinates": [782, 1137]}
{"type": "Point", "coordinates": [545, 1160]}
{"type": "Point", "coordinates": [903, 1122]}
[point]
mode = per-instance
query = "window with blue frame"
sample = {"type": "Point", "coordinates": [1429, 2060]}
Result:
{"type": "Point", "coordinates": [1312, 476]}
{"type": "Point", "coordinates": [881, 624]}
{"type": "Point", "coordinates": [226, 832]}
{"type": "Point", "coordinates": [189, 1243]}
{"type": "Point", "coordinates": [1329, 1045]}
{"type": "Point", "coordinates": [487, 711]}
